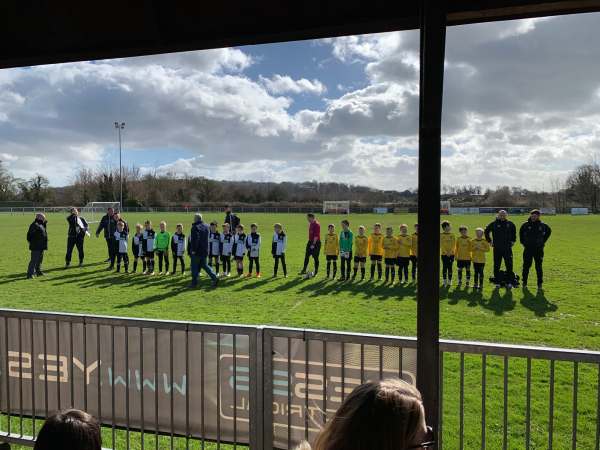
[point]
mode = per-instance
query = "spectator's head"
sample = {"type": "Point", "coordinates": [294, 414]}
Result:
{"type": "Point", "coordinates": [71, 429]}
{"type": "Point", "coordinates": [463, 230]}
{"type": "Point", "coordinates": [479, 233]}
{"type": "Point", "coordinates": [40, 218]}
{"type": "Point", "coordinates": [403, 229]}
{"type": "Point", "coordinates": [534, 215]}
{"type": "Point", "coordinates": [385, 414]}
{"type": "Point", "coordinates": [310, 217]}
{"type": "Point", "coordinates": [446, 226]}
{"type": "Point", "coordinates": [253, 228]}
{"type": "Point", "coordinates": [120, 225]}
{"type": "Point", "coordinates": [361, 230]}
{"type": "Point", "coordinates": [197, 218]}
{"type": "Point", "coordinates": [110, 211]}
{"type": "Point", "coordinates": [502, 214]}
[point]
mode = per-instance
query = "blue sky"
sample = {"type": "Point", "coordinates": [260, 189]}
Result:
{"type": "Point", "coordinates": [521, 108]}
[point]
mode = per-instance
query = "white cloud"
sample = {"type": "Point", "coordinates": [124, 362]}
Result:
{"type": "Point", "coordinates": [284, 84]}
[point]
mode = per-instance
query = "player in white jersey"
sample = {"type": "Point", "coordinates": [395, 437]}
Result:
{"type": "Point", "coordinates": [178, 245]}
{"type": "Point", "coordinates": [239, 248]}
{"type": "Point", "coordinates": [214, 247]}
{"type": "Point", "coordinates": [226, 249]}
{"type": "Point", "coordinates": [253, 245]}
{"type": "Point", "coordinates": [278, 248]}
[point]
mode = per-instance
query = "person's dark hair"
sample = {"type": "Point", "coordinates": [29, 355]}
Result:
{"type": "Point", "coordinates": [346, 222]}
{"type": "Point", "coordinates": [445, 224]}
{"type": "Point", "coordinates": [310, 215]}
{"type": "Point", "coordinates": [71, 429]}
{"type": "Point", "coordinates": [535, 211]}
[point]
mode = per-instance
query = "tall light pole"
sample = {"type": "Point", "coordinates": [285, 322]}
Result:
{"type": "Point", "coordinates": [119, 127]}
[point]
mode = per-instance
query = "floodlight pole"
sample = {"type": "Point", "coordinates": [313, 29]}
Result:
{"type": "Point", "coordinates": [429, 368]}
{"type": "Point", "coordinates": [119, 127]}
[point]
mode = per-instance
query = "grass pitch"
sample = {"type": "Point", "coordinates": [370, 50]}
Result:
{"type": "Point", "coordinates": [565, 315]}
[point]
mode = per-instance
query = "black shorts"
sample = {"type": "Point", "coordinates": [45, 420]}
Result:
{"type": "Point", "coordinates": [332, 257]}
{"type": "Point", "coordinates": [360, 259]}
{"type": "Point", "coordinates": [390, 261]}
{"type": "Point", "coordinates": [238, 258]}
{"type": "Point", "coordinates": [403, 260]}
{"type": "Point", "coordinates": [463, 264]}
{"type": "Point", "coordinates": [149, 254]}
{"type": "Point", "coordinates": [376, 257]}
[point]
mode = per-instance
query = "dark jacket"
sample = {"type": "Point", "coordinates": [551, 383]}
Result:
{"type": "Point", "coordinates": [504, 234]}
{"type": "Point", "coordinates": [233, 221]}
{"type": "Point", "coordinates": [199, 239]}
{"type": "Point", "coordinates": [533, 235]}
{"type": "Point", "coordinates": [37, 236]}
{"type": "Point", "coordinates": [109, 225]}
{"type": "Point", "coordinates": [74, 229]}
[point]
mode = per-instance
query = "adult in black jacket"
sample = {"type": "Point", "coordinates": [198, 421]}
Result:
{"type": "Point", "coordinates": [78, 227]}
{"type": "Point", "coordinates": [198, 250]}
{"type": "Point", "coordinates": [502, 235]}
{"type": "Point", "coordinates": [37, 236]}
{"type": "Point", "coordinates": [232, 219]}
{"type": "Point", "coordinates": [533, 236]}
{"type": "Point", "coordinates": [109, 225]}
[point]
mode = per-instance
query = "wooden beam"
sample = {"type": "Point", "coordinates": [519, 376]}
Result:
{"type": "Point", "coordinates": [433, 42]}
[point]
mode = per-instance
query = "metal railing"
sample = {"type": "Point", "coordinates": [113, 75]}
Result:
{"type": "Point", "coordinates": [168, 384]}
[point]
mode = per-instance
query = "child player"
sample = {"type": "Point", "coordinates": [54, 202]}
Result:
{"type": "Point", "coordinates": [278, 249]}
{"type": "Point", "coordinates": [463, 254]}
{"type": "Point", "coordinates": [137, 247]}
{"type": "Point", "coordinates": [178, 248]}
{"type": "Point", "coordinates": [414, 247]}
{"type": "Point", "coordinates": [163, 241]}
{"type": "Point", "coordinates": [346, 238]}
{"type": "Point", "coordinates": [148, 241]}
{"type": "Point", "coordinates": [226, 248]}
{"type": "Point", "coordinates": [361, 248]}
{"type": "Point", "coordinates": [239, 248]}
{"type": "Point", "coordinates": [390, 254]}
{"type": "Point", "coordinates": [332, 249]}
{"type": "Point", "coordinates": [479, 247]}
{"type": "Point", "coordinates": [253, 245]}
{"type": "Point", "coordinates": [376, 251]}
{"type": "Point", "coordinates": [121, 237]}
{"type": "Point", "coordinates": [214, 247]}
{"type": "Point", "coordinates": [404, 247]}
{"type": "Point", "coordinates": [447, 247]}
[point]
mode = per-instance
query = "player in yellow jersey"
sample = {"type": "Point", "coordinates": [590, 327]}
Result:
{"type": "Point", "coordinates": [479, 247]}
{"type": "Point", "coordinates": [390, 253]}
{"type": "Point", "coordinates": [361, 250]}
{"type": "Point", "coordinates": [376, 251]}
{"type": "Point", "coordinates": [332, 249]}
{"type": "Point", "coordinates": [447, 247]}
{"type": "Point", "coordinates": [404, 246]}
{"type": "Point", "coordinates": [414, 247]}
{"type": "Point", "coordinates": [463, 254]}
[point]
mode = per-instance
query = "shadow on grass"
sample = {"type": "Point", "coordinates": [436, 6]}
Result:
{"type": "Point", "coordinates": [537, 303]}
{"type": "Point", "coordinates": [500, 303]}
{"type": "Point", "coordinates": [156, 298]}
{"type": "Point", "coordinates": [23, 275]}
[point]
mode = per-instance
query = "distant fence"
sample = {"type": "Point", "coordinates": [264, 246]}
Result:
{"type": "Point", "coordinates": [176, 384]}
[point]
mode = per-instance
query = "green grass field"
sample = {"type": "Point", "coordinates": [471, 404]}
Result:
{"type": "Point", "coordinates": [565, 315]}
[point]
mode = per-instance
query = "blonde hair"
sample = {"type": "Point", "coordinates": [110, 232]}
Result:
{"type": "Point", "coordinates": [384, 415]}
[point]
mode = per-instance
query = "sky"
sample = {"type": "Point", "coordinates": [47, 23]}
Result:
{"type": "Point", "coordinates": [521, 108]}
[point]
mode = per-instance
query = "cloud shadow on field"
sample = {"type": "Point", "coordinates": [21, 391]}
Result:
{"type": "Point", "coordinates": [537, 303]}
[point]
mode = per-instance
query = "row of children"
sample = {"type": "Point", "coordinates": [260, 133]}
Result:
{"type": "Point", "coordinates": [224, 246]}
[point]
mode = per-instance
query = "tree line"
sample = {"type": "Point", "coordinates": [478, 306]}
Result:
{"type": "Point", "coordinates": [580, 188]}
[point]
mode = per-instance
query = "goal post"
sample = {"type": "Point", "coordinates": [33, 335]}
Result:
{"type": "Point", "coordinates": [336, 207]}
{"type": "Point", "coordinates": [94, 210]}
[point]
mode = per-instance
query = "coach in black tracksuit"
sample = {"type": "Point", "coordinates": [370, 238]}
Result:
{"type": "Point", "coordinates": [232, 219]}
{"type": "Point", "coordinates": [37, 236]}
{"type": "Point", "coordinates": [533, 236]}
{"type": "Point", "coordinates": [502, 235]}
{"type": "Point", "coordinates": [75, 236]}
{"type": "Point", "coordinates": [108, 223]}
